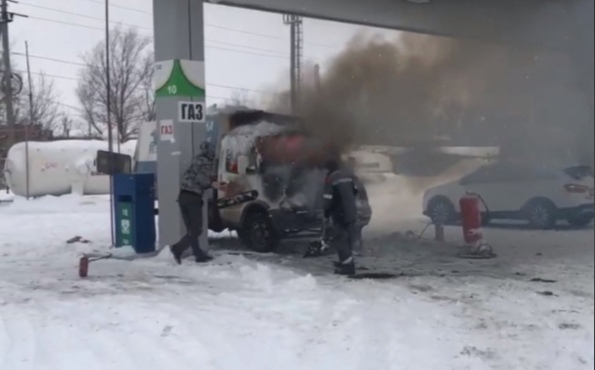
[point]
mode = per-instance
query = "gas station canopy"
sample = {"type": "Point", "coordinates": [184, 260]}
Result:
{"type": "Point", "coordinates": [541, 23]}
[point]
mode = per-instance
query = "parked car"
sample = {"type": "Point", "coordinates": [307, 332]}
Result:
{"type": "Point", "coordinates": [514, 191]}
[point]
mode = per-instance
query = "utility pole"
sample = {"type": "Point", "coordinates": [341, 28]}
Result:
{"type": "Point", "coordinates": [110, 134]}
{"type": "Point", "coordinates": [5, 19]}
{"type": "Point", "coordinates": [296, 52]}
{"type": "Point", "coordinates": [32, 118]}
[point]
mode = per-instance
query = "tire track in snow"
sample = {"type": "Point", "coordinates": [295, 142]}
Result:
{"type": "Point", "coordinates": [261, 316]}
{"type": "Point", "coordinates": [55, 342]}
{"type": "Point", "coordinates": [400, 331]}
{"type": "Point", "coordinates": [6, 340]}
{"type": "Point", "coordinates": [316, 336]}
{"type": "Point", "coordinates": [131, 336]}
{"type": "Point", "coordinates": [198, 337]}
{"type": "Point", "coordinates": [325, 344]}
{"type": "Point", "coordinates": [21, 350]}
{"type": "Point", "coordinates": [374, 338]}
{"type": "Point", "coordinates": [98, 337]}
{"type": "Point", "coordinates": [64, 338]}
{"type": "Point", "coordinates": [518, 324]}
{"type": "Point", "coordinates": [148, 333]}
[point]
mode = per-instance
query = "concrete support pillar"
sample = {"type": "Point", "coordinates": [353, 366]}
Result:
{"type": "Point", "coordinates": [179, 77]}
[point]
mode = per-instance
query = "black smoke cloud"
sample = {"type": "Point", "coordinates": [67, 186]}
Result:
{"type": "Point", "coordinates": [417, 89]}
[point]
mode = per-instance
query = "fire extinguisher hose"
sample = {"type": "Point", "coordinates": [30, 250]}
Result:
{"type": "Point", "coordinates": [412, 234]}
{"type": "Point", "coordinates": [97, 258]}
{"type": "Point", "coordinates": [482, 202]}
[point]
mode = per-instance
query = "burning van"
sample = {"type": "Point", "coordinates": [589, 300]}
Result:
{"type": "Point", "coordinates": [271, 157]}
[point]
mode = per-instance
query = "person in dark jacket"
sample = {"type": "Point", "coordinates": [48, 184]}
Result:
{"type": "Point", "coordinates": [339, 204]}
{"type": "Point", "coordinates": [196, 180]}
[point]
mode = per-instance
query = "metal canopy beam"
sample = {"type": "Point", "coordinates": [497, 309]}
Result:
{"type": "Point", "coordinates": [541, 23]}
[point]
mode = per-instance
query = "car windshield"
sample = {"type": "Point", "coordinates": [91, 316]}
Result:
{"type": "Point", "coordinates": [579, 172]}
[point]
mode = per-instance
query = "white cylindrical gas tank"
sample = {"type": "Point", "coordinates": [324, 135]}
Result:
{"type": "Point", "coordinates": [56, 167]}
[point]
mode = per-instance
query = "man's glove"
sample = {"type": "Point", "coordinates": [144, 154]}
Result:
{"type": "Point", "coordinates": [320, 247]}
{"type": "Point", "coordinates": [316, 249]}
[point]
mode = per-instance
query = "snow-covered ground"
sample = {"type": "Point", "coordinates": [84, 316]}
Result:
{"type": "Point", "coordinates": [6, 196]}
{"type": "Point", "coordinates": [283, 312]}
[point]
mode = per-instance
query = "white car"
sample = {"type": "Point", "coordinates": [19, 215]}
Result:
{"type": "Point", "coordinates": [514, 191]}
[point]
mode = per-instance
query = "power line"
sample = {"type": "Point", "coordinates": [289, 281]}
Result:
{"type": "Point", "coordinates": [263, 35]}
{"type": "Point", "coordinates": [148, 29]}
{"type": "Point", "coordinates": [218, 97]}
{"type": "Point", "coordinates": [125, 24]}
{"type": "Point", "coordinates": [65, 23]}
{"type": "Point", "coordinates": [247, 52]}
{"type": "Point", "coordinates": [57, 60]}
{"type": "Point", "coordinates": [81, 15]}
{"type": "Point", "coordinates": [66, 105]}
{"type": "Point", "coordinates": [243, 31]}
{"type": "Point", "coordinates": [223, 86]}
{"type": "Point", "coordinates": [245, 46]}
{"type": "Point", "coordinates": [50, 75]}
{"type": "Point", "coordinates": [102, 2]}
{"type": "Point", "coordinates": [279, 56]}
{"type": "Point", "coordinates": [240, 88]}
{"type": "Point", "coordinates": [139, 27]}
{"type": "Point", "coordinates": [141, 11]}
{"type": "Point", "coordinates": [48, 59]}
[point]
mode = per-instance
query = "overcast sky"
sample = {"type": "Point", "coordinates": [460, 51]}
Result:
{"type": "Point", "coordinates": [237, 40]}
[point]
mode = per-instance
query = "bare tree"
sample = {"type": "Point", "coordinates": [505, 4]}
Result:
{"type": "Point", "coordinates": [43, 108]}
{"type": "Point", "coordinates": [147, 103]}
{"type": "Point", "coordinates": [90, 108]}
{"type": "Point", "coordinates": [131, 95]}
{"type": "Point", "coordinates": [66, 126]}
{"type": "Point", "coordinates": [239, 97]}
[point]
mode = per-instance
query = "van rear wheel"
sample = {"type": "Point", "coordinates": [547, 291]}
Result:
{"type": "Point", "coordinates": [258, 233]}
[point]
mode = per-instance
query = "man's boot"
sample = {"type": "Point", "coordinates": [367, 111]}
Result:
{"type": "Point", "coordinates": [345, 268]}
{"type": "Point", "coordinates": [177, 252]}
{"type": "Point", "coordinates": [202, 258]}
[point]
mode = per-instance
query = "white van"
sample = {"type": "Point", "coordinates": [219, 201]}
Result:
{"type": "Point", "coordinates": [270, 154]}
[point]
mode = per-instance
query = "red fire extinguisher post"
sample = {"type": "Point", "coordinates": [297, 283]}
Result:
{"type": "Point", "coordinates": [471, 219]}
{"type": "Point", "coordinates": [472, 232]}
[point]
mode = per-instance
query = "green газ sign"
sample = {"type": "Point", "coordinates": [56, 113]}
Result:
{"type": "Point", "coordinates": [180, 78]}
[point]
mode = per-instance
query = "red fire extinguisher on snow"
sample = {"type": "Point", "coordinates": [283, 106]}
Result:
{"type": "Point", "coordinates": [471, 219]}
{"type": "Point", "coordinates": [86, 260]}
{"type": "Point", "coordinates": [84, 266]}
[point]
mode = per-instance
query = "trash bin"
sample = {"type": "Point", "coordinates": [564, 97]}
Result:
{"type": "Point", "coordinates": [134, 208]}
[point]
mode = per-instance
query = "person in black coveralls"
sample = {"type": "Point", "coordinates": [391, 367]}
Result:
{"type": "Point", "coordinates": [339, 204]}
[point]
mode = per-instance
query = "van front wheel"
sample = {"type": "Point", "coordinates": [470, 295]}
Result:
{"type": "Point", "coordinates": [258, 233]}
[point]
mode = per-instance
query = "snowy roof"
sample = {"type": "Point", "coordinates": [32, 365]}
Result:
{"type": "Point", "coordinates": [242, 138]}
{"type": "Point", "coordinates": [227, 109]}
